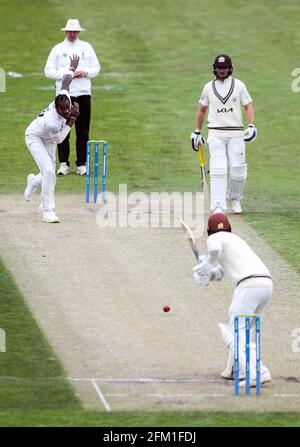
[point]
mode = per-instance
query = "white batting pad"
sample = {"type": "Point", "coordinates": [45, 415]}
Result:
{"type": "Point", "coordinates": [218, 187]}
{"type": "Point", "coordinates": [238, 175]}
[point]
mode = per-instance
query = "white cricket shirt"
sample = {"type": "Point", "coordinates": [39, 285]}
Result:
{"type": "Point", "coordinates": [47, 124]}
{"type": "Point", "coordinates": [234, 255]}
{"type": "Point", "coordinates": [224, 101]}
{"type": "Point", "coordinates": [58, 64]}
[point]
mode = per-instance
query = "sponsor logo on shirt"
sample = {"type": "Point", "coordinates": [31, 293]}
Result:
{"type": "Point", "coordinates": [224, 110]}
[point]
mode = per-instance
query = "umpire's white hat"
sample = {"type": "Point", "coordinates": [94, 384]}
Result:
{"type": "Point", "coordinates": [72, 25]}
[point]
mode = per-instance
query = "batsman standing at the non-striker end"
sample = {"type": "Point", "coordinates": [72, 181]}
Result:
{"type": "Point", "coordinates": [231, 258]}
{"type": "Point", "coordinates": [224, 97]}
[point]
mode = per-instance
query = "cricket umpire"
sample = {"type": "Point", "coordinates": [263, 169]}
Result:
{"type": "Point", "coordinates": [80, 89]}
{"type": "Point", "coordinates": [224, 98]}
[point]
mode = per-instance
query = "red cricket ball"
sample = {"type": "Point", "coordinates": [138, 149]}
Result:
{"type": "Point", "coordinates": [166, 308]}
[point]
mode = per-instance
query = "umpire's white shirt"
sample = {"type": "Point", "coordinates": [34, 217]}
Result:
{"type": "Point", "coordinates": [58, 63]}
{"type": "Point", "coordinates": [234, 255]}
{"type": "Point", "coordinates": [224, 101]}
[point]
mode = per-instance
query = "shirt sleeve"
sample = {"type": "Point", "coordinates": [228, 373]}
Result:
{"type": "Point", "coordinates": [52, 128]}
{"type": "Point", "coordinates": [95, 66]}
{"type": "Point", "coordinates": [55, 132]}
{"type": "Point", "coordinates": [244, 95]}
{"type": "Point", "coordinates": [50, 69]}
{"type": "Point", "coordinates": [61, 135]}
{"type": "Point", "coordinates": [217, 273]}
{"type": "Point", "coordinates": [214, 250]}
{"type": "Point", "coordinates": [204, 97]}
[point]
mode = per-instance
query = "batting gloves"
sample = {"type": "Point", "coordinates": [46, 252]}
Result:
{"type": "Point", "coordinates": [250, 133]}
{"type": "Point", "coordinates": [197, 138]}
{"type": "Point", "coordinates": [202, 272]}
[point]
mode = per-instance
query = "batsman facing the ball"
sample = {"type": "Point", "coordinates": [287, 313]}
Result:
{"type": "Point", "coordinates": [231, 258]}
{"type": "Point", "coordinates": [224, 96]}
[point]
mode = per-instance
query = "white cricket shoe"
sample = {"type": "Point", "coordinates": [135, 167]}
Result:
{"type": "Point", "coordinates": [236, 207]}
{"type": "Point", "coordinates": [50, 217]}
{"type": "Point", "coordinates": [30, 188]}
{"type": "Point", "coordinates": [265, 377]}
{"type": "Point", "coordinates": [81, 170]}
{"type": "Point", "coordinates": [229, 375]}
{"type": "Point", "coordinates": [63, 169]}
{"type": "Point", "coordinates": [218, 208]}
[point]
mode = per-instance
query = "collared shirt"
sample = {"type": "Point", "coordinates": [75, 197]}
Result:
{"type": "Point", "coordinates": [224, 101]}
{"type": "Point", "coordinates": [47, 124]}
{"type": "Point", "coordinates": [58, 63]}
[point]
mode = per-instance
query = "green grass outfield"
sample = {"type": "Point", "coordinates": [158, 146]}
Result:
{"type": "Point", "coordinates": [155, 57]}
{"type": "Point", "coordinates": [77, 418]}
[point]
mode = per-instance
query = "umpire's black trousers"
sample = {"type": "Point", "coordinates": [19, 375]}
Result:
{"type": "Point", "coordinates": [82, 127]}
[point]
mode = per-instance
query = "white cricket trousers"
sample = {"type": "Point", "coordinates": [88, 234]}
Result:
{"type": "Point", "coordinates": [44, 156]}
{"type": "Point", "coordinates": [249, 300]}
{"type": "Point", "coordinates": [223, 153]}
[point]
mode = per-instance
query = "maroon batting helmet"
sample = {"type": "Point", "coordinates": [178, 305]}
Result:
{"type": "Point", "coordinates": [218, 222]}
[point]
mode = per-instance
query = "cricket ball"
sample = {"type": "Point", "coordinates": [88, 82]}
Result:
{"type": "Point", "coordinates": [166, 308]}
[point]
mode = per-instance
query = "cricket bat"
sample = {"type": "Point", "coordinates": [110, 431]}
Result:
{"type": "Point", "coordinates": [191, 239]}
{"type": "Point", "coordinates": [204, 176]}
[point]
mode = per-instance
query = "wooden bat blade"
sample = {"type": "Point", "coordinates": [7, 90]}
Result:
{"type": "Point", "coordinates": [191, 238]}
{"type": "Point", "coordinates": [200, 155]}
{"type": "Point", "coordinates": [205, 187]}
